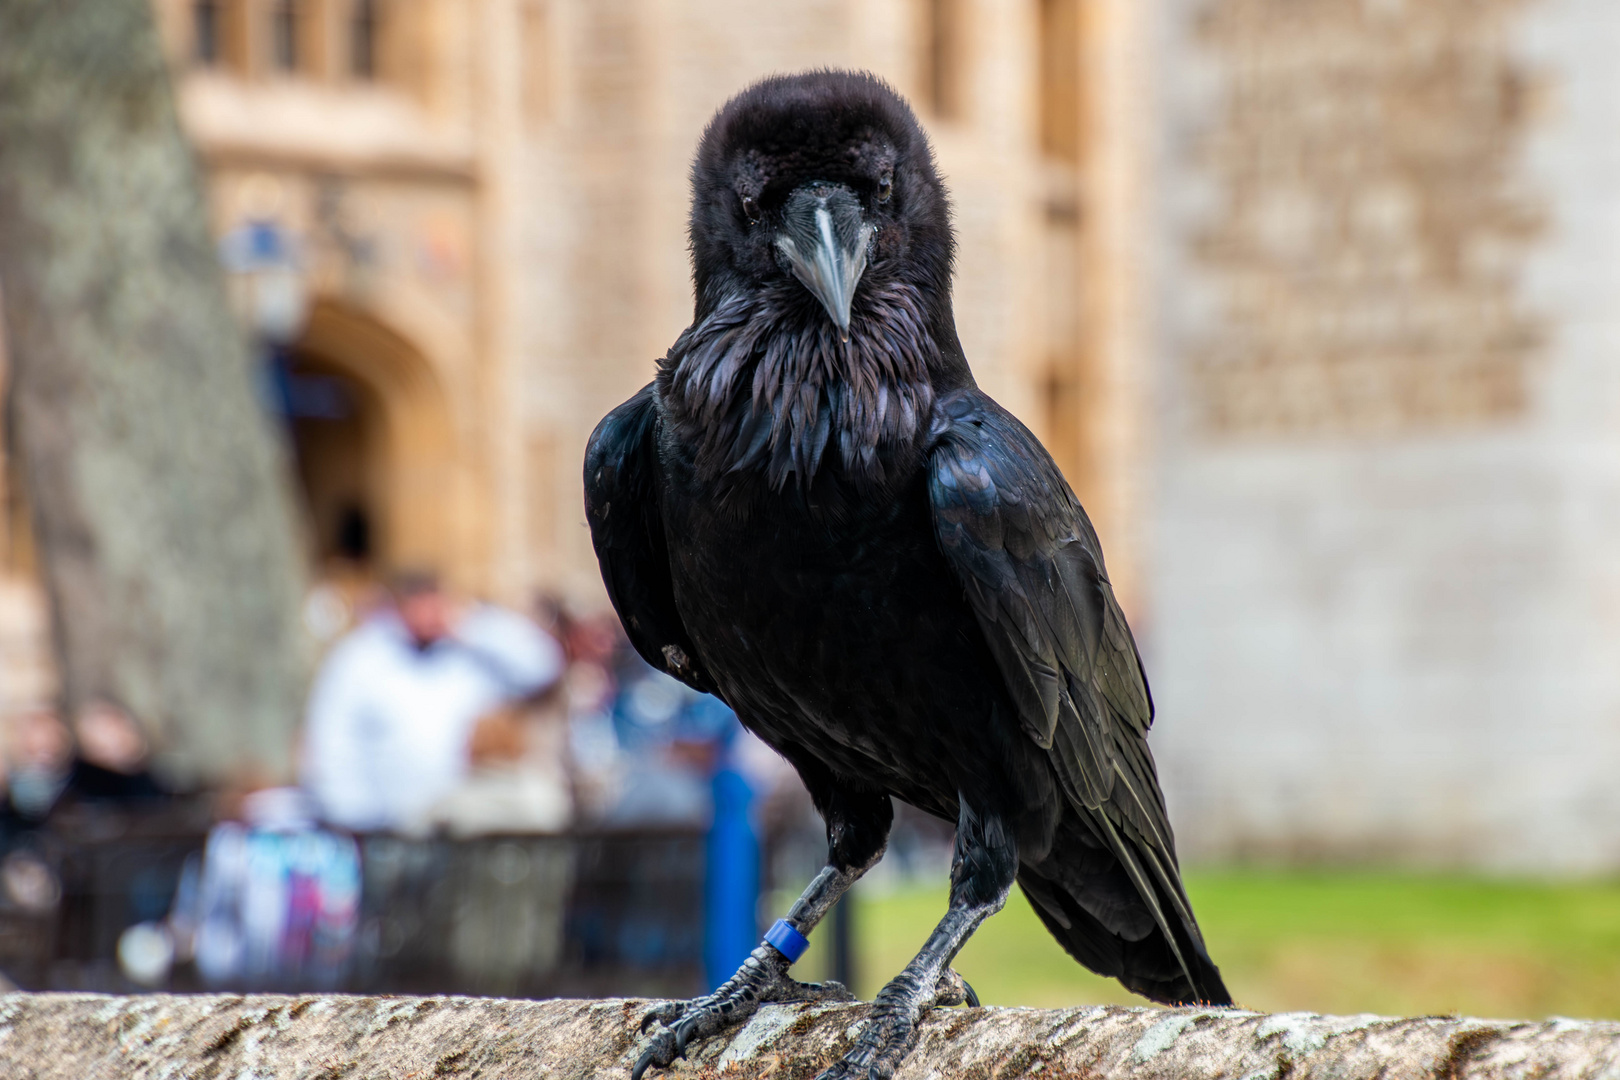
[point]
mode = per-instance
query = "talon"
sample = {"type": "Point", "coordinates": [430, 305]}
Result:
{"type": "Point", "coordinates": [952, 989]}
{"type": "Point", "coordinates": [648, 1056]}
{"type": "Point", "coordinates": [762, 978]}
{"type": "Point", "coordinates": [833, 990]}
{"type": "Point", "coordinates": [653, 1017]}
{"type": "Point", "coordinates": [890, 1031]}
{"type": "Point", "coordinates": [683, 1033]}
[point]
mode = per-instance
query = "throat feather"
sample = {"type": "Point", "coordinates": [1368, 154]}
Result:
{"type": "Point", "coordinates": [766, 384]}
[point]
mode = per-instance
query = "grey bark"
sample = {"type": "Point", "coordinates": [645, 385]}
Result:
{"type": "Point", "coordinates": [88, 1037]}
{"type": "Point", "coordinates": [162, 504]}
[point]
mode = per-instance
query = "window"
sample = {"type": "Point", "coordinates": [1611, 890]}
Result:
{"type": "Point", "coordinates": [1070, 389]}
{"type": "Point", "coordinates": [363, 39]}
{"type": "Point", "coordinates": [1059, 59]}
{"type": "Point", "coordinates": [205, 32]}
{"type": "Point", "coordinates": [284, 35]}
{"type": "Point", "coordinates": [944, 43]}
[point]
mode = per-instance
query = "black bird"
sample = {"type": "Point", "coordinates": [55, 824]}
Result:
{"type": "Point", "coordinates": [813, 512]}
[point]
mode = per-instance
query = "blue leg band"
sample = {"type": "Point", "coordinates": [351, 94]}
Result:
{"type": "Point", "coordinates": [786, 940]}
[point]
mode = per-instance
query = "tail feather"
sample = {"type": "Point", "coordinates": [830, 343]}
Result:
{"type": "Point", "coordinates": [1145, 889]}
{"type": "Point", "coordinates": [1167, 963]}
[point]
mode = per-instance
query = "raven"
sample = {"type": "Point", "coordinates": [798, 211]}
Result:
{"type": "Point", "coordinates": [813, 512]}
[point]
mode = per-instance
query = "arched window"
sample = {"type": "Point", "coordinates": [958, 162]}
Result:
{"type": "Point", "coordinates": [205, 32]}
{"type": "Point", "coordinates": [1059, 58]}
{"type": "Point", "coordinates": [363, 39]}
{"type": "Point", "coordinates": [944, 47]}
{"type": "Point", "coordinates": [284, 35]}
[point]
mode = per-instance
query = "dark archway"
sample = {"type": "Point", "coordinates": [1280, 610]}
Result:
{"type": "Point", "coordinates": [372, 437]}
{"type": "Point", "coordinates": [340, 449]}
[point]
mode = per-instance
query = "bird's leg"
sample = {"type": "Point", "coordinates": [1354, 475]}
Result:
{"type": "Point", "coordinates": [982, 874]}
{"type": "Point", "coordinates": [857, 833]}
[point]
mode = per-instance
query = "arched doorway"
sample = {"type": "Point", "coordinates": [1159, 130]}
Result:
{"type": "Point", "coordinates": [340, 449]}
{"type": "Point", "coordinates": [372, 440]}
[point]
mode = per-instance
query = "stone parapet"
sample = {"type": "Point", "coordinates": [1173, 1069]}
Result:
{"type": "Point", "coordinates": [91, 1037]}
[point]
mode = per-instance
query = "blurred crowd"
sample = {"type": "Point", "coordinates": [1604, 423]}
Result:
{"type": "Point", "coordinates": [431, 713]}
{"type": "Point", "coordinates": [429, 716]}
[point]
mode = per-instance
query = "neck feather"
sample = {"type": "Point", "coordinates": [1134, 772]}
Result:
{"type": "Point", "coordinates": [764, 383]}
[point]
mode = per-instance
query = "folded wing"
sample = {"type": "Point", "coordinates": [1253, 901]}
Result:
{"type": "Point", "coordinates": [1033, 571]}
{"type": "Point", "coordinates": [627, 531]}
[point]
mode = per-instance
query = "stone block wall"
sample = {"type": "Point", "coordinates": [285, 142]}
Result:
{"type": "Point", "coordinates": [1387, 478]}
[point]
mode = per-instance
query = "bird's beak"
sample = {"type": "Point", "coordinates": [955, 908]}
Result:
{"type": "Point", "coordinates": [824, 237]}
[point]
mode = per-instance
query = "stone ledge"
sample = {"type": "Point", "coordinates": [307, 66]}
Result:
{"type": "Point", "coordinates": [269, 1037]}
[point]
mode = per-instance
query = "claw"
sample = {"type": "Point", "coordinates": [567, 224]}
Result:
{"type": "Point", "coordinates": [762, 978]}
{"type": "Point", "coordinates": [890, 1031]}
{"type": "Point", "coordinates": [648, 1057]}
{"type": "Point", "coordinates": [683, 1033]}
{"type": "Point", "coordinates": [953, 990]}
{"type": "Point", "coordinates": [662, 1014]}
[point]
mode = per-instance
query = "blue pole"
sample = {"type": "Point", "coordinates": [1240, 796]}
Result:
{"type": "Point", "coordinates": [731, 907]}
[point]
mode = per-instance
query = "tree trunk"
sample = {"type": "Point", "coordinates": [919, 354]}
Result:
{"type": "Point", "coordinates": [160, 495]}
{"type": "Point", "coordinates": [85, 1037]}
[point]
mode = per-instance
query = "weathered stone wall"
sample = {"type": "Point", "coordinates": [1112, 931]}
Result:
{"type": "Point", "coordinates": [1384, 621]}
{"type": "Point", "coordinates": [1373, 216]}
{"type": "Point", "coordinates": [84, 1037]}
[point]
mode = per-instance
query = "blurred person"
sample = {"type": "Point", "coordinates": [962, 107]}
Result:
{"type": "Point", "coordinates": [519, 776]}
{"type": "Point", "coordinates": [112, 762]}
{"type": "Point", "coordinates": [273, 901]}
{"type": "Point", "coordinates": [39, 763]}
{"type": "Point", "coordinates": [597, 761]}
{"type": "Point", "coordinates": [345, 593]}
{"type": "Point", "coordinates": [394, 715]}
{"type": "Point", "coordinates": [102, 760]}
{"type": "Point", "coordinates": [49, 768]}
{"type": "Point", "coordinates": [686, 762]}
{"type": "Point", "coordinates": [38, 759]}
{"type": "Point", "coordinates": [671, 737]}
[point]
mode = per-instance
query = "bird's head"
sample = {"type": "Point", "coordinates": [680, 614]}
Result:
{"type": "Point", "coordinates": [824, 179]}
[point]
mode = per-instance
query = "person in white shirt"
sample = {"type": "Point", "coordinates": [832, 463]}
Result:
{"type": "Point", "coordinates": [392, 712]}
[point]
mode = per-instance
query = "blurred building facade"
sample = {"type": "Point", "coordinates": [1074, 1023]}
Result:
{"type": "Point", "coordinates": [1309, 298]}
{"type": "Point", "coordinates": [485, 201]}
{"type": "Point", "coordinates": [490, 200]}
{"type": "Point", "coordinates": [1386, 472]}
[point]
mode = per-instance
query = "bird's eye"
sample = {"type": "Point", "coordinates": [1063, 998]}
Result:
{"type": "Point", "coordinates": [885, 187]}
{"type": "Point", "coordinates": [750, 209]}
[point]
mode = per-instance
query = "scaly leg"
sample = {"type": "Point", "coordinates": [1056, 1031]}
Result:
{"type": "Point", "coordinates": [982, 874]}
{"type": "Point", "coordinates": [857, 833]}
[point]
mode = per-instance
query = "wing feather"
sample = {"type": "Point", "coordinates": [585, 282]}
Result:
{"type": "Point", "coordinates": [627, 531]}
{"type": "Point", "coordinates": [1033, 573]}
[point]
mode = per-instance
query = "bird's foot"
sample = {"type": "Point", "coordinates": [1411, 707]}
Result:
{"type": "Point", "coordinates": [891, 1029]}
{"type": "Point", "coordinates": [762, 978]}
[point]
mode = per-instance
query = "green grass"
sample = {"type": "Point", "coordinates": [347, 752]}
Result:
{"type": "Point", "coordinates": [1338, 942]}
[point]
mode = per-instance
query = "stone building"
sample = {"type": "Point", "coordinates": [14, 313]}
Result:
{"type": "Point", "coordinates": [490, 198]}
{"type": "Point", "coordinates": [486, 201]}
{"type": "Point", "coordinates": [1385, 565]}
{"type": "Point", "coordinates": [1309, 298]}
